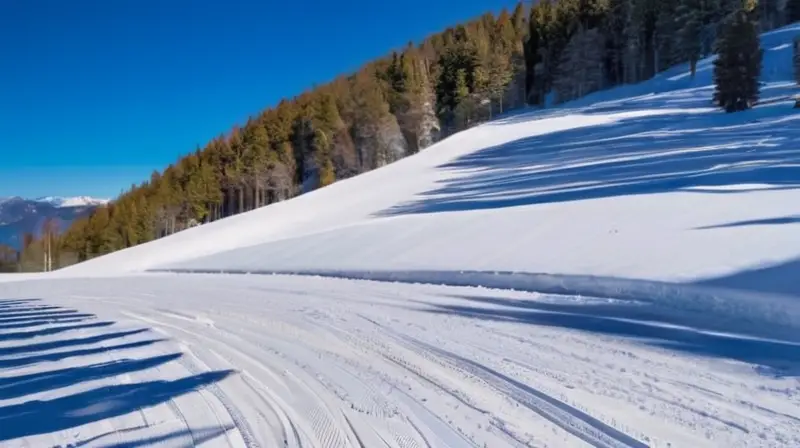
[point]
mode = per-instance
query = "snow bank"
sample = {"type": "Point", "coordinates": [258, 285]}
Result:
{"type": "Point", "coordinates": [6, 278]}
{"type": "Point", "coordinates": [758, 315]}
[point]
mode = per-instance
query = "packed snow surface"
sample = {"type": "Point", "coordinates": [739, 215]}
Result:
{"type": "Point", "coordinates": [305, 361]}
{"type": "Point", "coordinates": [617, 272]}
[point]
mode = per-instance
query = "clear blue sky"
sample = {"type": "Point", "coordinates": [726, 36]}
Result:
{"type": "Point", "coordinates": [96, 94]}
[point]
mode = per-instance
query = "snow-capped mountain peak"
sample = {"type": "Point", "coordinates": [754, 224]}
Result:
{"type": "Point", "coordinates": [8, 198]}
{"type": "Point", "coordinates": [78, 201]}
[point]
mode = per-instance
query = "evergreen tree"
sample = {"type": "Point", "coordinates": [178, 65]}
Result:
{"type": "Point", "coordinates": [767, 13]}
{"type": "Point", "coordinates": [690, 32]}
{"type": "Point", "coordinates": [465, 106]}
{"type": "Point", "coordinates": [457, 69]}
{"type": "Point", "coordinates": [615, 31]}
{"type": "Point", "coordinates": [644, 18]}
{"type": "Point", "coordinates": [375, 130]}
{"type": "Point", "coordinates": [547, 32]}
{"type": "Point", "coordinates": [411, 98]}
{"type": "Point", "coordinates": [738, 65]}
{"type": "Point", "coordinates": [796, 64]}
{"type": "Point", "coordinates": [796, 59]}
{"type": "Point", "coordinates": [581, 69]}
{"type": "Point", "coordinates": [792, 11]}
{"type": "Point", "coordinates": [667, 52]}
{"type": "Point", "coordinates": [532, 50]}
{"type": "Point", "coordinates": [502, 62]}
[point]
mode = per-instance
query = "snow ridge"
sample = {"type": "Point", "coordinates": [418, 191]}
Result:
{"type": "Point", "coordinates": [752, 313]}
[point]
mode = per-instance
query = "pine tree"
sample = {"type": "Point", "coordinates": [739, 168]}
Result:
{"type": "Point", "coordinates": [532, 50]}
{"type": "Point", "coordinates": [518, 21]}
{"type": "Point", "coordinates": [581, 69]}
{"type": "Point", "coordinates": [465, 106]}
{"type": "Point", "coordinates": [796, 63]}
{"type": "Point", "coordinates": [738, 65]}
{"type": "Point", "coordinates": [457, 70]}
{"type": "Point", "coordinates": [667, 52]}
{"type": "Point", "coordinates": [327, 123]}
{"type": "Point", "coordinates": [500, 60]}
{"type": "Point", "coordinates": [796, 59]}
{"type": "Point", "coordinates": [374, 128]}
{"type": "Point", "coordinates": [690, 32]}
{"type": "Point", "coordinates": [792, 11]}
{"type": "Point", "coordinates": [615, 31]}
{"type": "Point", "coordinates": [548, 32]}
{"type": "Point", "coordinates": [766, 11]}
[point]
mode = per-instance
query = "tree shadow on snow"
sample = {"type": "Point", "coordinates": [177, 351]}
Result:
{"type": "Point", "coordinates": [22, 314]}
{"type": "Point", "coordinates": [21, 385]}
{"type": "Point", "coordinates": [646, 323]}
{"type": "Point", "coordinates": [651, 154]}
{"type": "Point", "coordinates": [65, 343]}
{"type": "Point", "coordinates": [79, 338]}
{"type": "Point", "coordinates": [19, 335]}
{"type": "Point", "coordinates": [780, 278]}
{"type": "Point", "coordinates": [42, 417]}
{"type": "Point", "coordinates": [795, 219]}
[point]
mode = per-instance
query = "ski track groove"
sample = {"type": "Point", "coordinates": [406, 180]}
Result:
{"type": "Point", "coordinates": [259, 388]}
{"type": "Point", "coordinates": [321, 420]}
{"type": "Point", "coordinates": [568, 418]}
{"type": "Point", "coordinates": [368, 345]}
{"type": "Point", "coordinates": [170, 403]}
{"type": "Point", "coordinates": [419, 372]}
{"type": "Point", "coordinates": [322, 417]}
{"type": "Point", "coordinates": [411, 356]}
{"type": "Point", "coordinates": [572, 420]}
{"type": "Point", "coordinates": [353, 431]}
{"type": "Point", "coordinates": [214, 390]}
{"type": "Point", "coordinates": [236, 417]}
{"type": "Point", "coordinates": [374, 397]}
{"type": "Point", "coordinates": [177, 413]}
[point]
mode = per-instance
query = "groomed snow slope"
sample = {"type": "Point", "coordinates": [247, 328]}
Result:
{"type": "Point", "coordinates": [645, 181]}
{"type": "Point", "coordinates": [262, 361]}
{"type": "Point", "coordinates": [600, 207]}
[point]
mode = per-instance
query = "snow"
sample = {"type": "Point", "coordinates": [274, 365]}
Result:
{"type": "Point", "coordinates": [251, 360]}
{"type": "Point", "coordinates": [78, 201]}
{"type": "Point", "coordinates": [619, 271]}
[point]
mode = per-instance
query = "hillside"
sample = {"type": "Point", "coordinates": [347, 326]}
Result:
{"type": "Point", "coordinates": [665, 175]}
{"type": "Point", "coordinates": [393, 107]}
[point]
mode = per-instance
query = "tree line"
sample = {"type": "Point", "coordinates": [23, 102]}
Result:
{"type": "Point", "coordinates": [398, 105]}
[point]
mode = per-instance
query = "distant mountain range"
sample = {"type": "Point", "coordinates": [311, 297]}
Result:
{"type": "Point", "coordinates": [19, 215]}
